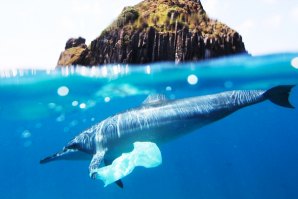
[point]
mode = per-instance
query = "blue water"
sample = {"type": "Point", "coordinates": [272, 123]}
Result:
{"type": "Point", "coordinates": [251, 154]}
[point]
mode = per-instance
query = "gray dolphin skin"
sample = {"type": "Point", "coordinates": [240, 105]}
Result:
{"type": "Point", "coordinates": [159, 120]}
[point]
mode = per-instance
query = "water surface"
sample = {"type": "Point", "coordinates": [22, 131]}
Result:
{"type": "Point", "coordinates": [251, 154]}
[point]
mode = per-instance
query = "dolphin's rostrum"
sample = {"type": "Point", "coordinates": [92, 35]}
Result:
{"type": "Point", "coordinates": [159, 120]}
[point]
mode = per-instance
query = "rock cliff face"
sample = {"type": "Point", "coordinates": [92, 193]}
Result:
{"type": "Point", "coordinates": [156, 30]}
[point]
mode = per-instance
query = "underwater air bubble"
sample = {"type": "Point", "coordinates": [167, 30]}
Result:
{"type": "Point", "coordinates": [75, 103]}
{"type": "Point", "coordinates": [107, 99]}
{"type": "Point", "coordinates": [61, 118]}
{"type": "Point", "coordinates": [168, 88]}
{"type": "Point", "coordinates": [26, 134]}
{"type": "Point", "coordinates": [192, 79]}
{"type": "Point", "coordinates": [63, 91]}
{"type": "Point", "coordinates": [82, 105]}
{"type": "Point", "coordinates": [294, 62]}
{"type": "Point", "coordinates": [51, 105]}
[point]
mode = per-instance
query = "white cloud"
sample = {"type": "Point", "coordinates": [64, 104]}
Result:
{"type": "Point", "coordinates": [211, 6]}
{"type": "Point", "coordinates": [218, 9]}
{"type": "Point", "coordinates": [294, 13]}
{"type": "Point", "coordinates": [91, 17]}
{"type": "Point", "coordinates": [270, 2]}
{"type": "Point", "coordinates": [37, 30]}
{"type": "Point", "coordinates": [246, 26]}
{"type": "Point", "coordinates": [273, 21]}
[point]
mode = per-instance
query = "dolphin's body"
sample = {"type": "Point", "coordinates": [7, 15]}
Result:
{"type": "Point", "coordinates": [159, 120]}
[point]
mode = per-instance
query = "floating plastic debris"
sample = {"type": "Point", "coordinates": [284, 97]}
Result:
{"type": "Point", "coordinates": [145, 154]}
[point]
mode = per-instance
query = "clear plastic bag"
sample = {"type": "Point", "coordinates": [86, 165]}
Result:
{"type": "Point", "coordinates": [145, 154]}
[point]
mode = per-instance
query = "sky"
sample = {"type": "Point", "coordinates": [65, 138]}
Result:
{"type": "Point", "coordinates": [33, 33]}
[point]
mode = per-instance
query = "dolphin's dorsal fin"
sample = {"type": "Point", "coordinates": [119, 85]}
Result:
{"type": "Point", "coordinates": [155, 99]}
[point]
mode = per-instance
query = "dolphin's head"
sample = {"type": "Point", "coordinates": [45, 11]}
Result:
{"type": "Point", "coordinates": [79, 148]}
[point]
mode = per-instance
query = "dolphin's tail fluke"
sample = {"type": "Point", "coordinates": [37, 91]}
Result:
{"type": "Point", "coordinates": [280, 95]}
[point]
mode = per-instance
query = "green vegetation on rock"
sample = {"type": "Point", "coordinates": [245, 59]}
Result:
{"type": "Point", "coordinates": [167, 16]}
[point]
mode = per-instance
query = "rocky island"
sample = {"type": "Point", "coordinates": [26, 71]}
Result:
{"type": "Point", "coordinates": [156, 30]}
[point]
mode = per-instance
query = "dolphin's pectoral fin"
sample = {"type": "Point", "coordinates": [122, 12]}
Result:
{"type": "Point", "coordinates": [119, 182]}
{"type": "Point", "coordinates": [95, 163]}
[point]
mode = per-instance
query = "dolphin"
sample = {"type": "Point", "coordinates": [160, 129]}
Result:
{"type": "Point", "coordinates": [159, 120]}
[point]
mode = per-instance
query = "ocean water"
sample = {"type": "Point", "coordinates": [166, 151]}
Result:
{"type": "Point", "coordinates": [250, 154]}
